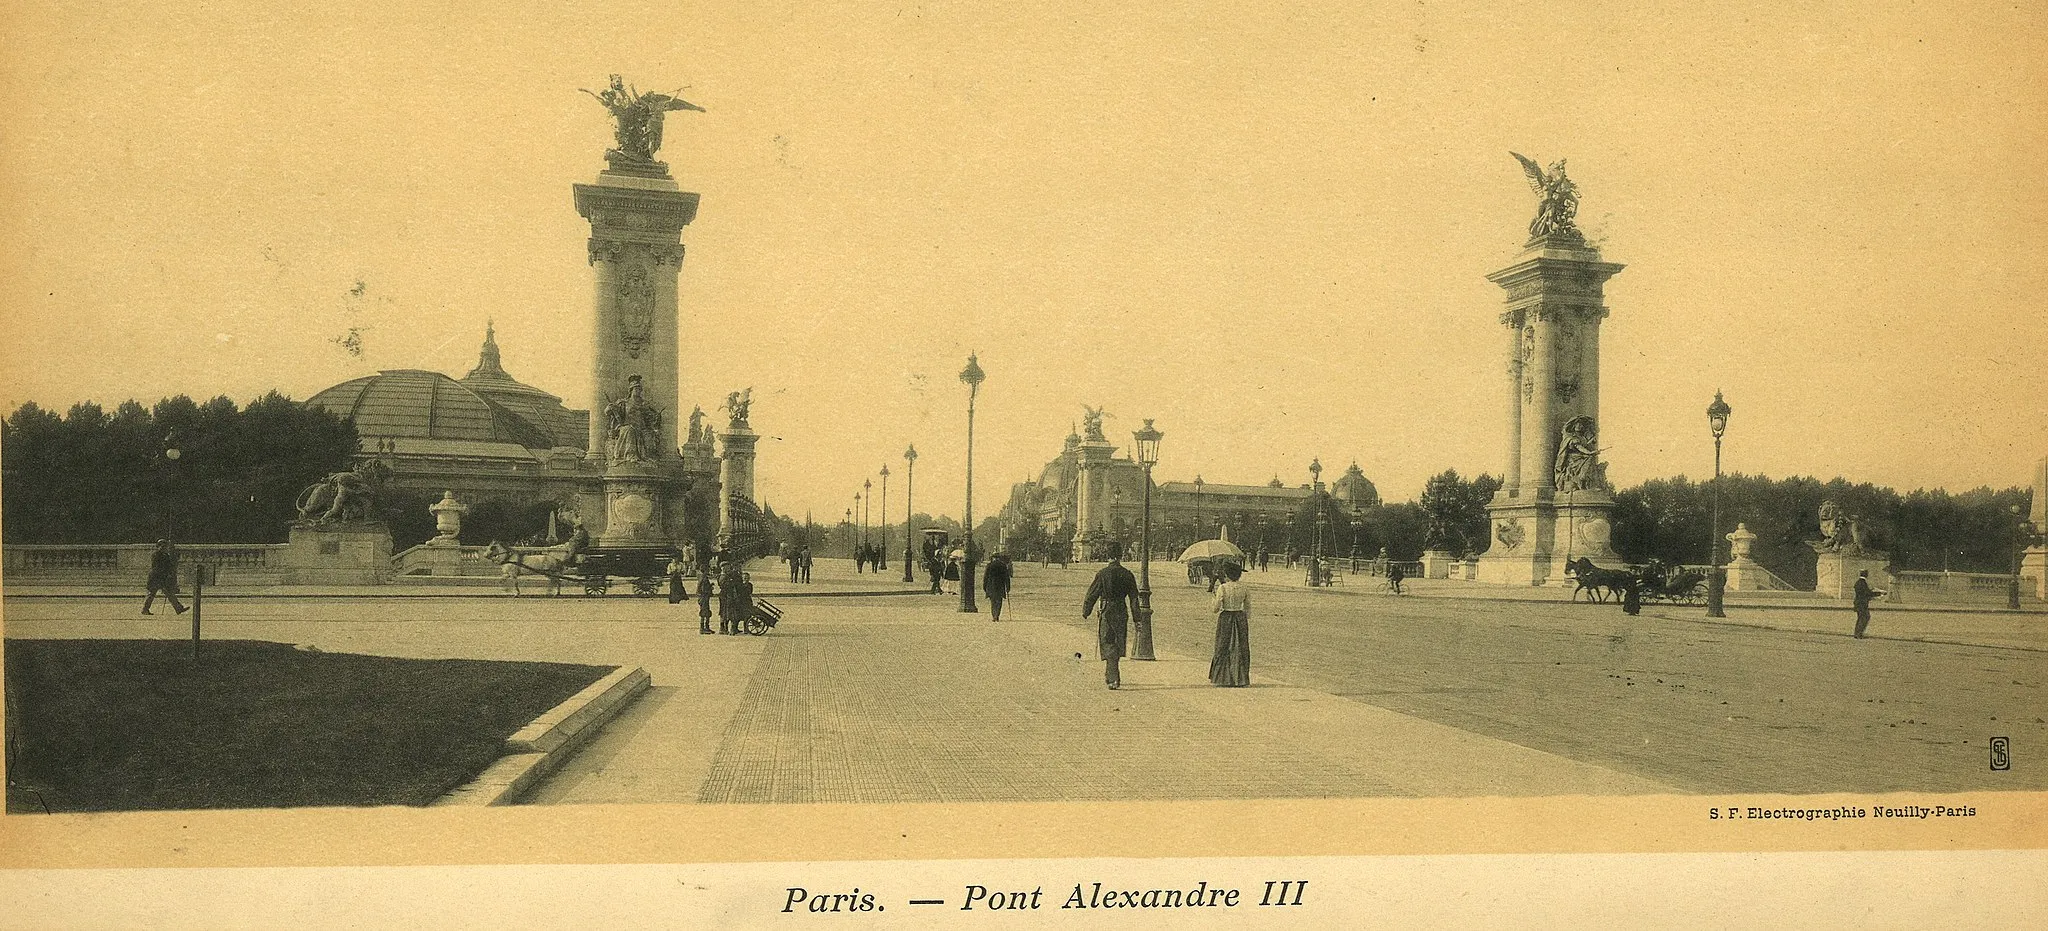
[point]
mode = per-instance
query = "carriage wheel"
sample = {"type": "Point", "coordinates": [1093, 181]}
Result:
{"type": "Point", "coordinates": [757, 626]}
{"type": "Point", "coordinates": [596, 585]}
{"type": "Point", "coordinates": [647, 585]}
{"type": "Point", "coordinates": [1697, 595]}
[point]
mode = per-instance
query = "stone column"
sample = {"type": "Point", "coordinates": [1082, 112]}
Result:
{"type": "Point", "coordinates": [636, 254]}
{"type": "Point", "coordinates": [1511, 481]}
{"type": "Point", "coordinates": [637, 215]}
{"type": "Point", "coordinates": [737, 469]}
{"type": "Point", "coordinates": [1554, 307]}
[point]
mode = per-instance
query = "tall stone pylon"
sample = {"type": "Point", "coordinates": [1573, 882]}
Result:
{"type": "Point", "coordinates": [1555, 504]}
{"type": "Point", "coordinates": [637, 213]}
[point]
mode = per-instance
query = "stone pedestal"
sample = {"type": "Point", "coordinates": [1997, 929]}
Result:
{"type": "Point", "coordinates": [1554, 292]}
{"type": "Point", "coordinates": [1436, 564]}
{"type": "Point", "coordinates": [636, 506]}
{"type": "Point", "coordinates": [339, 553]}
{"type": "Point", "coordinates": [1745, 574]}
{"type": "Point", "coordinates": [2034, 572]}
{"type": "Point", "coordinates": [1836, 572]}
{"type": "Point", "coordinates": [1534, 539]}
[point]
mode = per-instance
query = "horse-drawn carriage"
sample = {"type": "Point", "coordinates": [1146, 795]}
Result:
{"type": "Point", "coordinates": [645, 568]}
{"type": "Point", "coordinates": [1654, 581]}
{"type": "Point", "coordinates": [1659, 582]}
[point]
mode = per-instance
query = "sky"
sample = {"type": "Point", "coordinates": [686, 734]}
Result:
{"type": "Point", "coordinates": [1265, 225]}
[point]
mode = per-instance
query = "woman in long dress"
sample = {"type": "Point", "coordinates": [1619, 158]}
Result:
{"type": "Point", "coordinates": [1232, 665]}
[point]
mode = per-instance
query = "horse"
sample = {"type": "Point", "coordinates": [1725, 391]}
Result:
{"type": "Point", "coordinates": [549, 563]}
{"type": "Point", "coordinates": [1592, 578]}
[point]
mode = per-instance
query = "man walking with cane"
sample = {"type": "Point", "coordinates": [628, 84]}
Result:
{"type": "Point", "coordinates": [1117, 591]}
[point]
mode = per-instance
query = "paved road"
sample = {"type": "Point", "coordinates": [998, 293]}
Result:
{"type": "Point", "coordinates": [1705, 707]}
{"type": "Point", "coordinates": [902, 698]}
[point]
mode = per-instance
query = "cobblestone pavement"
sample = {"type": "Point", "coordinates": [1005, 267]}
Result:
{"type": "Point", "coordinates": [1704, 706]}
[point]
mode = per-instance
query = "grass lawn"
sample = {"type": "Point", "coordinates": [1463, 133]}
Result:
{"type": "Point", "coordinates": [124, 725]}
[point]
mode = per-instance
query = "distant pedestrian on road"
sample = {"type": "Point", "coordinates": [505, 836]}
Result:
{"type": "Point", "coordinates": [937, 568]}
{"type": "Point", "coordinates": [1632, 596]}
{"type": "Point", "coordinates": [1864, 596]}
{"type": "Point", "coordinates": [995, 583]}
{"type": "Point", "coordinates": [807, 565]}
{"type": "Point", "coordinates": [677, 591]}
{"type": "Point", "coordinates": [1117, 592]}
{"type": "Point", "coordinates": [1232, 665]}
{"type": "Point", "coordinates": [703, 597]}
{"type": "Point", "coordinates": [163, 577]}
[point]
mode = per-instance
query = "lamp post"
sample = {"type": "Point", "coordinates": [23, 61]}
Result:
{"type": "Point", "coordinates": [909, 485]}
{"type": "Point", "coordinates": [882, 551]}
{"type": "Point", "coordinates": [1315, 524]}
{"type": "Point", "coordinates": [860, 533]}
{"type": "Point", "coordinates": [2022, 530]}
{"type": "Point", "coordinates": [1148, 454]}
{"type": "Point", "coordinates": [1198, 510]}
{"type": "Point", "coordinates": [1717, 580]}
{"type": "Point", "coordinates": [867, 487]}
{"type": "Point", "coordinates": [972, 376]}
{"type": "Point", "coordinates": [852, 546]}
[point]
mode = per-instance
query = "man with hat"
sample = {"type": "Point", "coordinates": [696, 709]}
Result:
{"type": "Point", "coordinates": [1117, 591]}
{"type": "Point", "coordinates": [1864, 596]}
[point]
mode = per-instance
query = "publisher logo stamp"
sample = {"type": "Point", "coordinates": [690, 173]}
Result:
{"type": "Point", "coordinates": [2001, 754]}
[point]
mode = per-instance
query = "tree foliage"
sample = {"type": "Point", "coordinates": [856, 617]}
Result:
{"type": "Point", "coordinates": [95, 477]}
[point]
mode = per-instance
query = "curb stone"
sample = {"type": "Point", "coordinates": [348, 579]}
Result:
{"type": "Point", "coordinates": [544, 745]}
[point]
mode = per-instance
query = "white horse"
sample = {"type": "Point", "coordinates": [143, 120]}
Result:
{"type": "Point", "coordinates": [549, 563]}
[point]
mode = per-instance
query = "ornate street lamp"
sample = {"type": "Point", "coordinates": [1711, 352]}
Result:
{"type": "Point", "coordinates": [972, 376]}
{"type": "Point", "coordinates": [1717, 579]}
{"type": "Point", "coordinates": [882, 551]}
{"type": "Point", "coordinates": [1199, 524]}
{"type": "Point", "coordinates": [1148, 454]}
{"type": "Point", "coordinates": [850, 535]}
{"type": "Point", "coordinates": [1315, 524]}
{"type": "Point", "coordinates": [867, 487]}
{"type": "Point", "coordinates": [909, 486]}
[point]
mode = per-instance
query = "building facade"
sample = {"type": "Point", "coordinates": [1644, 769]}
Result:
{"type": "Point", "coordinates": [1089, 495]}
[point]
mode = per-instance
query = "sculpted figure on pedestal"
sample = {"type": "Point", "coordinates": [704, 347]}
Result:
{"type": "Point", "coordinates": [738, 402]}
{"type": "Point", "coordinates": [639, 118]}
{"type": "Point", "coordinates": [1558, 200]}
{"type": "Point", "coordinates": [1578, 457]}
{"type": "Point", "coordinates": [1840, 532]}
{"type": "Point", "coordinates": [635, 425]}
{"type": "Point", "coordinates": [343, 495]}
{"type": "Point", "coordinates": [1091, 423]}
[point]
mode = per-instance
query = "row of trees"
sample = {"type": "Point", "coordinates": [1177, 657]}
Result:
{"type": "Point", "coordinates": [205, 473]}
{"type": "Point", "coordinates": [213, 472]}
{"type": "Point", "coordinates": [1672, 520]}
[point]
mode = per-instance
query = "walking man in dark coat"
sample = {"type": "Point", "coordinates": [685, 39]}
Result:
{"type": "Point", "coordinates": [1117, 592]}
{"type": "Point", "coordinates": [1864, 596]}
{"type": "Point", "coordinates": [163, 576]}
{"type": "Point", "coordinates": [995, 583]}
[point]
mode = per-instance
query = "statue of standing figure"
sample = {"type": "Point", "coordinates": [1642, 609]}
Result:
{"type": "Point", "coordinates": [1558, 205]}
{"type": "Point", "coordinates": [1578, 457]}
{"type": "Point", "coordinates": [635, 425]}
{"type": "Point", "coordinates": [697, 425]}
{"type": "Point", "coordinates": [639, 118]}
